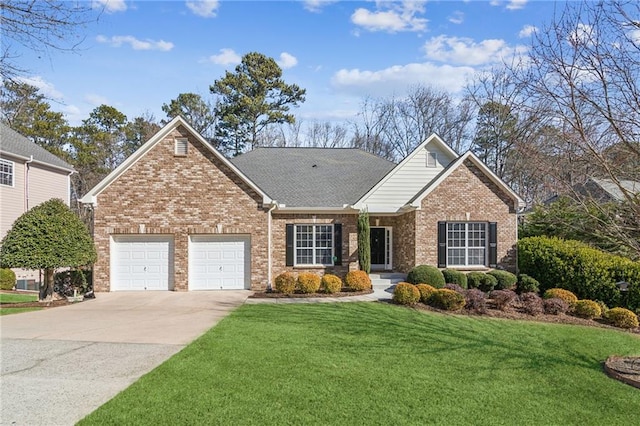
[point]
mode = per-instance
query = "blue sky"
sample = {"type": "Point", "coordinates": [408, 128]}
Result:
{"type": "Point", "coordinates": [141, 54]}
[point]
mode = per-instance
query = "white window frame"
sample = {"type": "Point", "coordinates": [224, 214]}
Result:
{"type": "Point", "coordinates": [11, 173]}
{"type": "Point", "coordinates": [313, 248]}
{"type": "Point", "coordinates": [179, 144]}
{"type": "Point", "coordinates": [432, 159]}
{"type": "Point", "coordinates": [467, 247]}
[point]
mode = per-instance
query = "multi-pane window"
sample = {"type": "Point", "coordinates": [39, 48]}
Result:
{"type": "Point", "coordinates": [6, 172]}
{"type": "Point", "coordinates": [314, 244]}
{"type": "Point", "coordinates": [466, 243]}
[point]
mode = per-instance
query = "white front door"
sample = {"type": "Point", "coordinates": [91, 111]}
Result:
{"type": "Point", "coordinates": [141, 262]}
{"type": "Point", "coordinates": [218, 262]}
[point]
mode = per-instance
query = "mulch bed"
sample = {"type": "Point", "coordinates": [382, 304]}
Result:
{"type": "Point", "coordinates": [275, 295]}
{"type": "Point", "coordinates": [52, 304]}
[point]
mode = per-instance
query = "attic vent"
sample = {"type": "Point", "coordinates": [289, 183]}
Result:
{"type": "Point", "coordinates": [181, 146]}
{"type": "Point", "coordinates": [432, 158]}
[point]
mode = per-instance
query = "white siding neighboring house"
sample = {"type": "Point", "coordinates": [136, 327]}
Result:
{"type": "Point", "coordinates": [29, 175]}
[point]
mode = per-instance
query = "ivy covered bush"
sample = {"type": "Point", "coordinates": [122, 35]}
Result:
{"type": "Point", "coordinates": [561, 293]}
{"type": "Point", "coordinates": [330, 283]}
{"type": "Point", "coordinates": [452, 276]}
{"type": "Point", "coordinates": [426, 291]}
{"type": "Point", "coordinates": [587, 309]}
{"type": "Point", "coordinates": [475, 300]}
{"type": "Point", "coordinates": [484, 282]}
{"type": "Point", "coordinates": [358, 280]}
{"type": "Point", "coordinates": [446, 299]}
{"type": "Point", "coordinates": [621, 317]}
{"type": "Point", "coordinates": [505, 279]}
{"type": "Point", "coordinates": [587, 272]}
{"type": "Point", "coordinates": [406, 294]}
{"type": "Point", "coordinates": [503, 299]}
{"type": "Point", "coordinates": [285, 283]}
{"type": "Point", "coordinates": [426, 274]}
{"type": "Point", "coordinates": [308, 282]}
{"type": "Point", "coordinates": [527, 284]}
{"type": "Point", "coordinates": [7, 279]}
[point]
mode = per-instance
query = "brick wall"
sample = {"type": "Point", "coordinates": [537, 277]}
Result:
{"type": "Point", "coordinates": [180, 196]}
{"type": "Point", "coordinates": [466, 194]}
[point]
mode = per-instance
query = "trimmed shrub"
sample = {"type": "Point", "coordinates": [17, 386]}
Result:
{"type": "Point", "coordinates": [603, 308]}
{"type": "Point", "coordinates": [426, 274]}
{"type": "Point", "coordinates": [587, 309]}
{"type": "Point", "coordinates": [454, 287]}
{"type": "Point", "coordinates": [446, 299]}
{"type": "Point", "coordinates": [7, 279]}
{"type": "Point", "coordinates": [561, 293]}
{"type": "Point", "coordinates": [506, 280]}
{"type": "Point", "coordinates": [406, 294]}
{"type": "Point", "coordinates": [285, 283]}
{"type": "Point", "coordinates": [451, 276]}
{"type": "Point", "coordinates": [621, 317]}
{"type": "Point", "coordinates": [503, 299]}
{"type": "Point", "coordinates": [475, 300]}
{"type": "Point", "coordinates": [532, 303]}
{"type": "Point", "coordinates": [527, 284]}
{"type": "Point", "coordinates": [482, 281]}
{"type": "Point", "coordinates": [426, 291]}
{"type": "Point", "coordinates": [308, 283]}
{"type": "Point", "coordinates": [358, 280]}
{"type": "Point", "coordinates": [555, 306]}
{"type": "Point", "coordinates": [330, 283]}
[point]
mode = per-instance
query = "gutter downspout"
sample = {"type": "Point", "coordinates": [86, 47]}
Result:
{"type": "Point", "coordinates": [69, 189]}
{"type": "Point", "coordinates": [274, 204]}
{"type": "Point", "coordinates": [26, 182]}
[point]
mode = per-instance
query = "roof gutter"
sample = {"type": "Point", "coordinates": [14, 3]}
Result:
{"type": "Point", "coordinates": [31, 160]}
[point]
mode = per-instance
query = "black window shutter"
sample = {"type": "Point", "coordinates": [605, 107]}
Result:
{"type": "Point", "coordinates": [337, 244]}
{"type": "Point", "coordinates": [289, 261]}
{"type": "Point", "coordinates": [442, 244]}
{"type": "Point", "coordinates": [493, 244]}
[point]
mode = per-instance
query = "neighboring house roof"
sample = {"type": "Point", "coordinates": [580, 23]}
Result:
{"type": "Point", "coordinates": [14, 144]}
{"type": "Point", "coordinates": [90, 197]}
{"type": "Point", "coordinates": [313, 177]}
{"type": "Point", "coordinates": [417, 200]}
{"type": "Point", "coordinates": [614, 191]}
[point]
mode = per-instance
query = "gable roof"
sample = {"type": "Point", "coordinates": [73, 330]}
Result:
{"type": "Point", "coordinates": [417, 200]}
{"type": "Point", "coordinates": [90, 197]}
{"type": "Point", "coordinates": [313, 177]}
{"type": "Point", "coordinates": [14, 144]}
{"type": "Point", "coordinates": [435, 139]}
{"type": "Point", "coordinates": [614, 191]}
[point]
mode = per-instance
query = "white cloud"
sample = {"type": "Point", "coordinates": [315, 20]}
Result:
{"type": "Point", "coordinates": [516, 4]}
{"type": "Point", "coordinates": [527, 31]}
{"type": "Point", "coordinates": [226, 57]}
{"type": "Point", "coordinates": [464, 51]}
{"type": "Point", "coordinates": [456, 17]}
{"type": "Point", "coordinates": [110, 6]}
{"type": "Point", "coordinates": [583, 34]}
{"type": "Point", "coordinates": [204, 8]}
{"type": "Point", "coordinates": [45, 88]}
{"type": "Point", "coordinates": [117, 41]}
{"type": "Point", "coordinates": [317, 5]}
{"type": "Point", "coordinates": [96, 100]}
{"type": "Point", "coordinates": [392, 17]}
{"type": "Point", "coordinates": [398, 78]}
{"type": "Point", "coordinates": [287, 60]}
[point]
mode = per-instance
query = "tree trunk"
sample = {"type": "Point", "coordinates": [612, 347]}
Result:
{"type": "Point", "coordinates": [46, 289]}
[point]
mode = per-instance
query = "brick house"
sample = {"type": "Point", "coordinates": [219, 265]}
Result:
{"type": "Point", "coordinates": [178, 215]}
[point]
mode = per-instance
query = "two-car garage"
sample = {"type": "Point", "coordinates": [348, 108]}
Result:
{"type": "Point", "coordinates": [146, 262]}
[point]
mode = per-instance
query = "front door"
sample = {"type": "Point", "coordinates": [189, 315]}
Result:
{"type": "Point", "coordinates": [380, 247]}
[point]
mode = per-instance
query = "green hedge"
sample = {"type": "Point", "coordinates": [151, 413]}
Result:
{"type": "Point", "coordinates": [587, 272]}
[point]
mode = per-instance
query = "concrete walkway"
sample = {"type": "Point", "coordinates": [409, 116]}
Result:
{"type": "Point", "coordinates": [60, 364]}
{"type": "Point", "coordinates": [377, 295]}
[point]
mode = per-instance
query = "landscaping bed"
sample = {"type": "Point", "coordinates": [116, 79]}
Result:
{"type": "Point", "coordinates": [277, 295]}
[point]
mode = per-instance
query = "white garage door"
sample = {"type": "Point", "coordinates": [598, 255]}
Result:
{"type": "Point", "coordinates": [219, 262]}
{"type": "Point", "coordinates": [142, 262]}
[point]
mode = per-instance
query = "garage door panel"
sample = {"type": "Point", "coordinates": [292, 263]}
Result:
{"type": "Point", "coordinates": [219, 262]}
{"type": "Point", "coordinates": [142, 262]}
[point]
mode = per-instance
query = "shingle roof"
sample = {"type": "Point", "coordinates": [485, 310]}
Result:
{"type": "Point", "coordinates": [313, 177]}
{"type": "Point", "coordinates": [12, 142]}
{"type": "Point", "coordinates": [614, 190]}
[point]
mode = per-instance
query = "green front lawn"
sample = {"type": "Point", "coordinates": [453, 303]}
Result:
{"type": "Point", "coordinates": [373, 363]}
{"type": "Point", "coordinates": [17, 298]}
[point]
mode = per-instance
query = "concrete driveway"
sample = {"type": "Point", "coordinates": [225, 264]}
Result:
{"type": "Point", "coordinates": [60, 364]}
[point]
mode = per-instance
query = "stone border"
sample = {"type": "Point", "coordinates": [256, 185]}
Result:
{"type": "Point", "coordinates": [624, 369]}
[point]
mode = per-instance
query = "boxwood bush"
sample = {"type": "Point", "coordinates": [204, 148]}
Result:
{"type": "Point", "coordinates": [285, 283]}
{"type": "Point", "coordinates": [451, 276]}
{"type": "Point", "coordinates": [426, 274]}
{"type": "Point", "coordinates": [561, 293]}
{"type": "Point", "coordinates": [308, 282]}
{"type": "Point", "coordinates": [527, 284]}
{"type": "Point", "coordinates": [587, 309]}
{"type": "Point", "coordinates": [7, 279]}
{"type": "Point", "coordinates": [446, 299]}
{"type": "Point", "coordinates": [484, 282]}
{"type": "Point", "coordinates": [426, 291]}
{"type": "Point", "coordinates": [330, 283]}
{"type": "Point", "coordinates": [506, 280]}
{"type": "Point", "coordinates": [587, 272]}
{"type": "Point", "coordinates": [621, 317]}
{"type": "Point", "coordinates": [406, 294]}
{"type": "Point", "coordinates": [358, 280]}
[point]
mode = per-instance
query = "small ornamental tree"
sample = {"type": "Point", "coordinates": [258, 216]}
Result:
{"type": "Point", "coordinates": [364, 242]}
{"type": "Point", "coordinates": [48, 236]}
